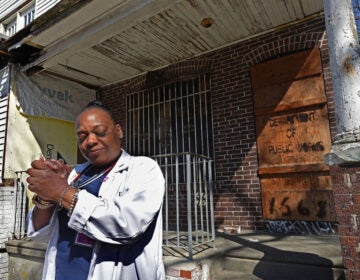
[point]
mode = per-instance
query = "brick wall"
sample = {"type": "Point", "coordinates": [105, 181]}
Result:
{"type": "Point", "coordinates": [236, 157]}
{"type": "Point", "coordinates": [346, 188]}
{"type": "Point", "coordinates": [6, 213]}
{"type": "Point", "coordinates": [237, 192]}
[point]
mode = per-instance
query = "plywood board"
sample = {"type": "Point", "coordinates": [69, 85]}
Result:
{"type": "Point", "coordinates": [293, 135]}
{"type": "Point", "coordinates": [293, 139]}
{"type": "Point", "coordinates": [289, 95]}
{"type": "Point", "coordinates": [298, 197]}
{"type": "Point", "coordinates": [288, 68]}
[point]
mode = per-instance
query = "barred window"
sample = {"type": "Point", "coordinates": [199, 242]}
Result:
{"type": "Point", "coordinates": [173, 118]}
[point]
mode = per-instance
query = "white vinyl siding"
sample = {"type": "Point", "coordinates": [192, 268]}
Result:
{"type": "Point", "coordinates": [3, 118]}
{"type": "Point", "coordinates": [10, 28]}
{"type": "Point", "coordinates": [9, 7]}
{"type": "Point", "coordinates": [42, 6]}
{"type": "Point", "coordinates": [15, 15]}
{"type": "Point", "coordinates": [28, 15]}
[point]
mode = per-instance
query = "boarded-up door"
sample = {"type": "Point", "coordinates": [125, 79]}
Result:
{"type": "Point", "coordinates": [293, 135]}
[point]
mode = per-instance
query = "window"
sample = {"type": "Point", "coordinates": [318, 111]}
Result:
{"type": "Point", "coordinates": [11, 28]}
{"type": "Point", "coordinates": [171, 119]}
{"type": "Point", "coordinates": [172, 124]}
{"type": "Point", "coordinates": [28, 15]}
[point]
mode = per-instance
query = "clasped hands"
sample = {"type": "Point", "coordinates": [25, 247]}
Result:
{"type": "Point", "coordinates": [48, 178]}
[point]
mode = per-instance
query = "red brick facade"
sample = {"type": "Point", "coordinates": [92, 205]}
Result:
{"type": "Point", "coordinates": [237, 192]}
{"type": "Point", "coordinates": [346, 188]}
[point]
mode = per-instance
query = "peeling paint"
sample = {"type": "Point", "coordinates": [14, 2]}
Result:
{"type": "Point", "coordinates": [348, 65]}
{"type": "Point", "coordinates": [115, 45]}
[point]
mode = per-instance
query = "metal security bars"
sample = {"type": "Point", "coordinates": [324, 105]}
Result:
{"type": "Point", "coordinates": [171, 119]}
{"type": "Point", "coordinates": [172, 123]}
{"type": "Point", "coordinates": [21, 205]}
{"type": "Point", "coordinates": [188, 205]}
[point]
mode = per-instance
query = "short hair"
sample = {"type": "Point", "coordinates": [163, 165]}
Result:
{"type": "Point", "coordinates": [99, 105]}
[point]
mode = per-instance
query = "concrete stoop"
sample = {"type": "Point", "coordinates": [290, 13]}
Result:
{"type": "Point", "coordinates": [263, 256]}
{"type": "Point", "coordinates": [245, 269]}
{"type": "Point", "coordinates": [243, 257]}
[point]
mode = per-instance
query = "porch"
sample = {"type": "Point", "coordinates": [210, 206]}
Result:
{"type": "Point", "coordinates": [244, 256]}
{"type": "Point", "coordinates": [190, 248]}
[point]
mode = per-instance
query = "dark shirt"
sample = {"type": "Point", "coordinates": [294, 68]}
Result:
{"type": "Point", "coordinates": [74, 249]}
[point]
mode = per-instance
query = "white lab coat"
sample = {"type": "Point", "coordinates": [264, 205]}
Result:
{"type": "Point", "coordinates": [127, 213]}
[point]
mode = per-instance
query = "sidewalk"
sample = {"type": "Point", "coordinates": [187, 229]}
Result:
{"type": "Point", "coordinates": [263, 256]}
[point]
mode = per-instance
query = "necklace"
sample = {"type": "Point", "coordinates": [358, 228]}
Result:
{"type": "Point", "coordinates": [80, 185]}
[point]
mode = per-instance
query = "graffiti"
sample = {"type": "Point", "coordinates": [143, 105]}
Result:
{"type": "Point", "coordinates": [322, 209]}
{"type": "Point", "coordinates": [285, 209]}
{"type": "Point", "coordinates": [283, 204]}
{"type": "Point", "coordinates": [290, 132]}
{"type": "Point", "coordinates": [49, 151]}
{"type": "Point", "coordinates": [280, 149]}
{"type": "Point", "coordinates": [301, 227]}
{"type": "Point", "coordinates": [292, 119]}
{"type": "Point", "coordinates": [305, 147]}
{"type": "Point", "coordinates": [310, 147]}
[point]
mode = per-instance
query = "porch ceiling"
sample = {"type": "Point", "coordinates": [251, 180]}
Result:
{"type": "Point", "coordinates": [102, 42]}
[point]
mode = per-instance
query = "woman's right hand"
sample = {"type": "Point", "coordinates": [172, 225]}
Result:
{"type": "Point", "coordinates": [48, 178]}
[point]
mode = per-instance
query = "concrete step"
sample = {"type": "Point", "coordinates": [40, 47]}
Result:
{"type": "Point", "coordinates": [243, 269]}
{"type": "Point", "coordinates": [233, 275]}
{"type": "Point", "coordinates": [256, 256]}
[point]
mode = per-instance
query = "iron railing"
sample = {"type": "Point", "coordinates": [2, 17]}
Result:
{"type": "Point", "coordinates": [20, 206]}
{"type": "Point", "coordinates": [188, 203]}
